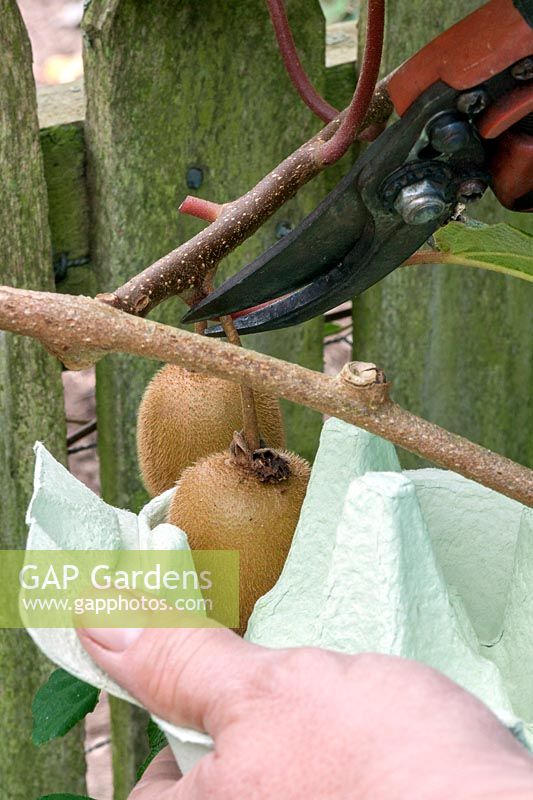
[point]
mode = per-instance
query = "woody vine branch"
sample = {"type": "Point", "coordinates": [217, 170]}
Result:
{"type": "Point", "coordinates": [80, 331]}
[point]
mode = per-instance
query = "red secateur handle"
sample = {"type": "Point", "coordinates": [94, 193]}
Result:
{"type": "Point", "coordinates": [508, 122]}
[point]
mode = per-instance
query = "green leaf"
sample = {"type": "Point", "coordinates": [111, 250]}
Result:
{"type": "Point", "coordinates": [332, 327]}
{"type": "Point", "coordinates": [62, 796]}
{"type": "Point", "coordinates": [499, 247]}
{"type": "Point", "coordinates": [157, 741]}
{"type": "Point", "coordinates": [60, 704]}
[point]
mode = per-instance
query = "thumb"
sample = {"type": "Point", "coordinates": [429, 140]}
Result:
{"type": "Point", "coordinates": [188, 676]}
{"type": "Point", "coordinates": [159, 777]}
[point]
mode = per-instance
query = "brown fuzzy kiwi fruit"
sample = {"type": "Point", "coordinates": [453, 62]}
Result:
{"type": "Point", "coordinates": [222, 505]}
{"type": "Point", "coordinates": [187, 415]}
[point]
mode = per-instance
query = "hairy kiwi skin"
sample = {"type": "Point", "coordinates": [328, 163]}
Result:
{"type": "Point", "coordinates": [187, 415]}
{"type": "Point", "coordinates": [221, 506]}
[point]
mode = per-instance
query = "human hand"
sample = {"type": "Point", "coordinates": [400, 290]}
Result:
{"type": "Point", "coordinates": [308, 723]}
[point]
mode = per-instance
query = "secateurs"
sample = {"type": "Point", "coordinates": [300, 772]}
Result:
{"type": "Point", "coordinates": [465, 103]}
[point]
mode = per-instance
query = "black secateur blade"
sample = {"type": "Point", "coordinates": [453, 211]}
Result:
{"type": "Point", "coordinates": [355, 236]}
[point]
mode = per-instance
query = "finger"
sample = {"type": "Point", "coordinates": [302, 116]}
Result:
{"type": "Point", "coordinates": [163, 780]}
{"type": "Point", "coordinates": [160, 776]}
{"type": "Point", "coordinates": [203, 781]}
{"type": "Point", "coordinates": [188, 676]}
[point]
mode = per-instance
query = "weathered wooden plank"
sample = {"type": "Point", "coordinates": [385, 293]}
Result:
{"type": "Point", "coordinates": [457, 343]}
{"type": "Point", "coordinates": [61, 111]}
{"type": "Point", "coordinates": [341, 78]}
{"type": "Point", "coordinates": [31, 407]}
{"type": "Point", "coordinates": [61, 103]}
{"type": "Point", "coordinates": [341, 43]}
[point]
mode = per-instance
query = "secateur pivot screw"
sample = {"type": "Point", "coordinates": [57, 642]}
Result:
{"type": "Point", "coordinates": [523, 70]}
{"type": "Point", "coordinates": [472, 102]}
{"type": "Point", "coordinates": [420, 202]}
{"type": "Point", "coordinates": [448, 134]}
{"type": "Point", "coordinates": [471, 190]}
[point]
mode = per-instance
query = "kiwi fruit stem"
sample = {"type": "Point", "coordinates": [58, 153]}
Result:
{"type": "Point", "coordinates": [251, 432]}
{"type": "Point", "coordinates": [264, 463]}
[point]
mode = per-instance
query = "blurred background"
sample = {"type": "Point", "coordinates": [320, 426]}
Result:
{"type": "Point", "coordinates": [54, 28]}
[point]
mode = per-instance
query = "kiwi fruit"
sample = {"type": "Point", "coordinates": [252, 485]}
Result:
{"type": "Point", "coordinates": [251, 505]}
{"type": "Point", "coordinates": [186, 415]}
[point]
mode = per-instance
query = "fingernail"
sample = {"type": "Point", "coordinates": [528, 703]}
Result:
{"type": "Point", "coordinates": [116, 639]}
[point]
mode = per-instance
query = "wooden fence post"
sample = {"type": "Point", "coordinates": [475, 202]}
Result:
{"type": "Point", "coordinates": [61, 110]}
{"type": "Point", "coordinates": [174, 87]}
{"type": "Point", "coordinates": [31, 407]}
{"type": "Point", "coordinates": [457, 343]}
{"type": "Point", "coordinates": [186, 98]}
